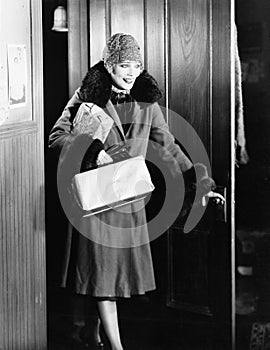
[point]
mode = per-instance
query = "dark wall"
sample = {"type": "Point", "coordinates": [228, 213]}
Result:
{"type": "Point", "coordinates": [254, 44]}
{"type": "Point", "coordinates": [253, 180]}
{"type": "Point", "coordinates": [55, 49]}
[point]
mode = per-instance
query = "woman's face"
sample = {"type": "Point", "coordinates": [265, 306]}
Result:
{"type": "Point", "coordinates": [125, 73]}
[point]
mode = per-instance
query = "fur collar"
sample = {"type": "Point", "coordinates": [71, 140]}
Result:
{"type": "Point", "coordinates": [96, 87]}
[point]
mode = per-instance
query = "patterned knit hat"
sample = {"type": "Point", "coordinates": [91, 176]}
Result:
{"type": "Point", "coordinates": [121, 47]}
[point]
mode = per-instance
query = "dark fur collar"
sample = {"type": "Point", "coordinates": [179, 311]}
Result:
{"type": "Point", "coordinates": [96, 87]}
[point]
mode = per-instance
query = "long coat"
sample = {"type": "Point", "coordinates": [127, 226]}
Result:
{"type": "Point", "coordinates": [108, 255]}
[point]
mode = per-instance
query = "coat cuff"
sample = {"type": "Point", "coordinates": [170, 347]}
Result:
{"type": "Point", "coordinates": [202, 184]}
{"type": "Point", "coordinates": [90, 157]}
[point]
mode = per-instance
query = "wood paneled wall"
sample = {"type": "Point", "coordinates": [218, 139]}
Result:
{"type": "Point", "coordinates": [22, 248]}
{"type": "Point", "coordinates": [22, 226]}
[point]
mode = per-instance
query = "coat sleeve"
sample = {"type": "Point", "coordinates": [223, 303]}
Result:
{"type": "Point", "coordinates": [195, 175]}
{"type": "Point", "coordinates": [164, 142]}
{"type": "Point", "coordinates": [62, 130]}
{"type": "Point", "coordinates": [77, 151]}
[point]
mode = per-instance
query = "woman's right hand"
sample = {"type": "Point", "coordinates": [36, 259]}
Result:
{"type": "Point", "coordinates": [103, 158]}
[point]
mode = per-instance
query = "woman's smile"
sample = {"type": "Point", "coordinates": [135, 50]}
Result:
{"type": "Point", "coordinates": [125, 73]}
{"type": "Point", "coordinates": [128, 80]}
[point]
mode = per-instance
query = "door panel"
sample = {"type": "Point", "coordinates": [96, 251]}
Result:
{"type": "Point", "coordinates": [78, 43]}
{"type": "Point", "coordinates": [189, 271]}
{"type": "Point", "coordinates": [189, 64]}
{"type": "Point", "coordinates": [97, 25]}
{"type": "Point", "coordinates": [155, 42]}
{"type": "Point", "coordinates": [199, 263]}
{"type": "Point", "coordinates": [128, 16]}
{"type": "Point", "coordinates": [221, 92]}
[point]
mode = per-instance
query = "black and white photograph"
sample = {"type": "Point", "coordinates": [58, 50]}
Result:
{"type": "Point", "coordinates": [134, 175]}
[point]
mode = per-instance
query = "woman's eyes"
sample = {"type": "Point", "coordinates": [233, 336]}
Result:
{"type": "Point", "coordinates": [127, 66]}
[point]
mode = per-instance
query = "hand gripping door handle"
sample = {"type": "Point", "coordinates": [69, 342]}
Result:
{"type": "Point", "coordinates": [220, 206]}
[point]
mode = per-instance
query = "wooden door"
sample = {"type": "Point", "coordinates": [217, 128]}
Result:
{"type": "Point", "coordinates": [187, 48]}
{"type": "Point", "coordinates": [201, 263]}
{"type": "Point", "coordinates": [22, 227]}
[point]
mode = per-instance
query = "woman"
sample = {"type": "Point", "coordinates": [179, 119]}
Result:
{"type": "Point", "coordinates": [129, 96]}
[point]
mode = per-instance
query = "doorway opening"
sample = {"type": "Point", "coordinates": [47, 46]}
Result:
{"type": "Point", "coordinates": [253, 179]}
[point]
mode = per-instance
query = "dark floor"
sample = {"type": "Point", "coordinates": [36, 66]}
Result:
{"type": "Point", "coordinates": [253, 247]}
{"type": "Point", "coordinates": [146, 334]}
{"type": "Point", "coordinates": [253, 289]}
{"type": "Point", "coordinates": [145, 324]}
{"type": "Point", "coordinates": [141, 332]}
{"type": "Point", "coordinates": [148, 324]}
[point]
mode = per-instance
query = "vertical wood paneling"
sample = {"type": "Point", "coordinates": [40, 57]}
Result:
{"type": "Point", "coordinates": [24, 223]}
{"type": "Point", "coordinates": [3, 260]}
{"type": "Point", "coordinates": [22, 243]}
{"type": "Point", "coordinates": [8, 175]}
{"type": "Point", "coordinates": [22, 227]}
{"type": "Point", "coordinates": [4, 242]}
{"type": "Point", "coordinates": [36, 142]}
{"type": "Point", "coordinates": [23, 211]}
{"type": "Point", "coordinates": [127, 16]}
{"type": "Point", "coordinates": [221, 87]}
{"type": "Point", "coordinates": [189, 63]}
{"type": "Point", "coordinates": [78, 52]}
{"type": "Point", "coordinates": [97, 29]}
{"type": "Point", "coordinates": [30, 264]}
{"type": "Point", "coordinates": [155, 41]}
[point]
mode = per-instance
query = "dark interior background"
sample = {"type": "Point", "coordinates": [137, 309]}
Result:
{"type": "Point", "coordinates": [252, 18]}
{"type": "Point", "coordinates": [55, 55]}
{"type": "Point", "coordinates": [253, 179]}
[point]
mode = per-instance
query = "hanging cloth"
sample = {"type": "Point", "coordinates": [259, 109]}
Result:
{"type": "Point", "coordinates": [241, 152]}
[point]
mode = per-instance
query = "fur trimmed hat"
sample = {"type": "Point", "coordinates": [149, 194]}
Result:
{"type": "Point", "coordinates": [122, 47]}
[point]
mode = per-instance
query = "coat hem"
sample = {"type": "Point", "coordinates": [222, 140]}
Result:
{"type": "Point", "coordinates": [114, 295]}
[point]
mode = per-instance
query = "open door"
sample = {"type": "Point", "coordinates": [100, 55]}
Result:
{"type": "Point", "coordinates": [201, 263]}
{"type": "Point", "coordinates": [187, 48]}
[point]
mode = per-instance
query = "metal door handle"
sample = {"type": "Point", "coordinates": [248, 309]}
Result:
{"type": "Point", "coordinates": [220, 208]}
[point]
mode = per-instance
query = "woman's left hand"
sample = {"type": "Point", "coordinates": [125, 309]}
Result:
{"type": "Point", "coordinates": [218, 197]}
